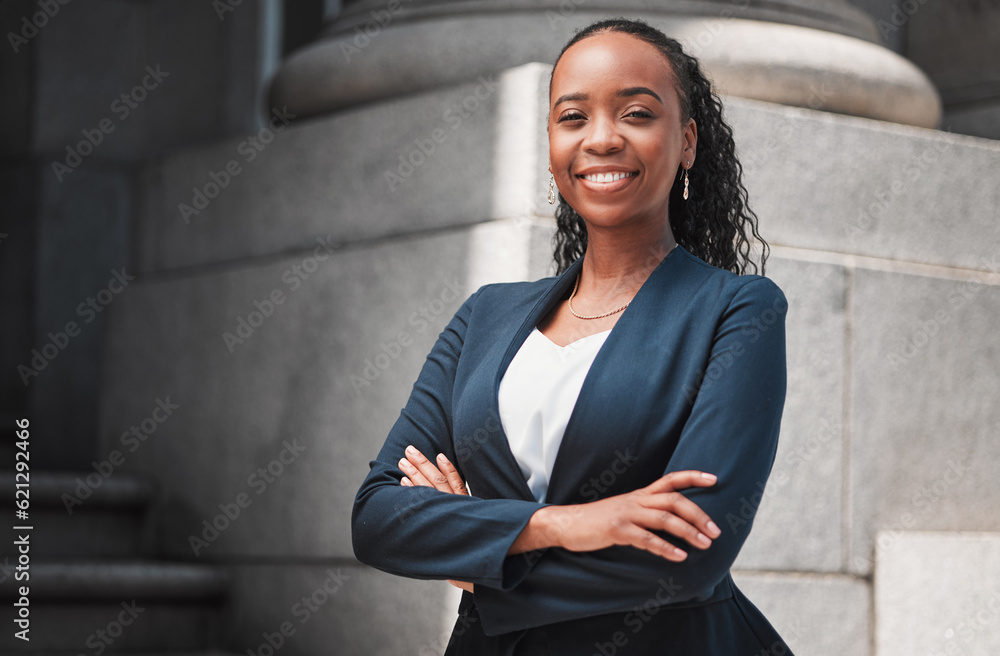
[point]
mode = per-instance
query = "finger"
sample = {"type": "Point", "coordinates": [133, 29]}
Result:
{"type": "Point", "coordinates": [640, 538]}
{"type": "Point", "coordinates": [406, 482]}
{"type": "Point", "coordinates": [685, 509]}
{"type": "Point", "coordinates": [426, 468]}
{"type": "Point", "coordinates": [451, 473]}
{"type": "Point", "coordinates": [662, 520]}
{"type": "Point", "coordinates": [681, 480]}
{"type": "Point", "coordinates": [413, 474]}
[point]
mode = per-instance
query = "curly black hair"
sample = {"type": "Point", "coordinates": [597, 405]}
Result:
{"type": "Point", "coordinates": [716, 223]}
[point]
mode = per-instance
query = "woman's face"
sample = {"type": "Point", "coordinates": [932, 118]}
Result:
{"type": "Point", "coordinates": [616, 138]}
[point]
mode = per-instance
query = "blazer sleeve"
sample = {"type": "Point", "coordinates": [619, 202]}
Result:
{"type": "Point", "coordinates": [421, 532]}
{"type": "Point", "coordinates": [732, 431]}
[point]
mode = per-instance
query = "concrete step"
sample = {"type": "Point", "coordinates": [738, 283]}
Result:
{"type": "Point", "coordinates": [80, 514]}
{"type": "Point", "coordinates": [203, 652]}
{"type": "Point", "coordinates": [116, 607]}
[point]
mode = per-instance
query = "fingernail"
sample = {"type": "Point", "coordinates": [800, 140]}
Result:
{"type": "Point", "coordinates": [442, 458]}
{"type": "Point", "coordinates": [404, 464]}
{"type": "Point", "coordinates": [680, 554]}
{"type": "Point", "coordinates": [411, 450]}
{"type": "Point", "coordinates": [713, 530]}
{"type": "Point", "coordinates": [703, 540]}
{"type": "Point", "coordinates": [406, 482]}
{"type": "Point", "coordinates": [709, 477]}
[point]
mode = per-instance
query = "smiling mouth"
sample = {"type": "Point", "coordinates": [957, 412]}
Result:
{"type": "Point", "coordinates": [608, 177]}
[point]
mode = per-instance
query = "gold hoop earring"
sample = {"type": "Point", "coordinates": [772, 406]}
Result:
{"type": "Point", "coordinates": [552, 189]}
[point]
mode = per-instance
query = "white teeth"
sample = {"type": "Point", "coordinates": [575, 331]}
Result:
{"type": "Point", "coordinates": [607, 177]}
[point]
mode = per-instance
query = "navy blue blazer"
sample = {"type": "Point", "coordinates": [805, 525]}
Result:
{"type": "Point", "coordinates": [692, 376]}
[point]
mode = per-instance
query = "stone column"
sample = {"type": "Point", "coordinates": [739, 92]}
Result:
{"type": "Point", "coordinates": [804, 53]}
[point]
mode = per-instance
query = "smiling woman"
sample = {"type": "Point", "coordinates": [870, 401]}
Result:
{"type": "Point", "coordinates": [591, 529]}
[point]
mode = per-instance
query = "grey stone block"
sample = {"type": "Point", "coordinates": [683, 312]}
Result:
{"type": "Point", "coordinates": [924, 382]}
{"type": "Point", "coordinates": [491, 164]}
{"type": "Point", "coordinates": [328, 370]}
{"type": "Point", "coordinates": [338, 608]}
{"type": "Point", "coordinates": [800, 518]}
{"type": "Point", "coordinates": [938, 593]}
{"type": "Point", "coordinates": [817, 615]}
{"type": "Point", "coordinates": [848, 185]}
{"type": "Point", "coordinates": [445, 158]}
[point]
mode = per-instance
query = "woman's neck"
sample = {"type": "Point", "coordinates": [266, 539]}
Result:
{"type": "Point", "coordinates": [618, 264]}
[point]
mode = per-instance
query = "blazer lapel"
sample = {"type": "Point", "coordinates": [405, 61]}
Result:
{"type": "Point", "coordinates": [542, 307]}
{"type": "Point", "coordinates": [609, 388]}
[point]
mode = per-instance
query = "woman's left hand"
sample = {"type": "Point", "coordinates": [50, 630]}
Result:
{"type": "Point", "coordinates": [422, 472]}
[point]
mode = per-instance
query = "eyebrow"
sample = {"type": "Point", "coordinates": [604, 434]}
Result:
{"type": "Point", "coordinates": [623, 93]}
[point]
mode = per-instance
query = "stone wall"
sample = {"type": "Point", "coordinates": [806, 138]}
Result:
{"type": "Point", "coordinates": [348, 242]}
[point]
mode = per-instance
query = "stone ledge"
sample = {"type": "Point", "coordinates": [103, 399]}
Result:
{"type": "Point", "coordinates": [938, 593]}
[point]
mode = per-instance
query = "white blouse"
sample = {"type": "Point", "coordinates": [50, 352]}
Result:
{"type": "Point", "coordinates": [536, 398]}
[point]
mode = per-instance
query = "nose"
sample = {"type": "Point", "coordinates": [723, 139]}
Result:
{"type": "Point", "coordinates": [603, 136]}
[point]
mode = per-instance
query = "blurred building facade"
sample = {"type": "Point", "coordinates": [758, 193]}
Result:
{"type": "Point", "coordinates": [234, 229]}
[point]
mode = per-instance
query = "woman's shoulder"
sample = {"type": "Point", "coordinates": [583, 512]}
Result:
{"type": "Point", "coordinates": [727, 283]}
{"type": "Point", "coordinates": [505, 293]}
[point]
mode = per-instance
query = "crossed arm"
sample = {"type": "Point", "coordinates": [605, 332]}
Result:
{"type": "Point", "coordinates": [622, 520]}
{"type": "Point", "coordinates": [731, 432]}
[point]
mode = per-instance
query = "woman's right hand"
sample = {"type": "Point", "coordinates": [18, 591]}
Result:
{"type": "Point", "coordinates": [627, 519]}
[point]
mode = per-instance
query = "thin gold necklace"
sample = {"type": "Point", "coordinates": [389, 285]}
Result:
{"type": "Point", "coordinates": [599, 316]}
{"type": "Point", "coordinates": [576, 285]}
